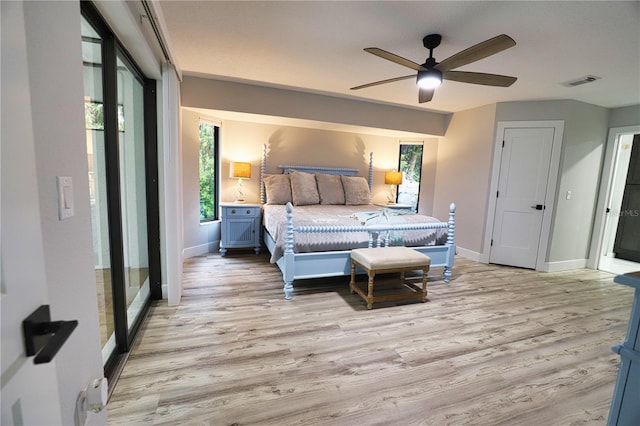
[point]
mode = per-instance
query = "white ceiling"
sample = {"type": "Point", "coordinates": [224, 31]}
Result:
{"type": "Point", "coordinates": [318, 47]}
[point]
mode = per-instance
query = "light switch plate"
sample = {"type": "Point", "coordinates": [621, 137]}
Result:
{"type": "Point", "coordinates": [65, 196]}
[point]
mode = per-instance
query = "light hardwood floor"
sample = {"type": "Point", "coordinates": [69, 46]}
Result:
{"type": "Point", "coordinates": [497, 345]}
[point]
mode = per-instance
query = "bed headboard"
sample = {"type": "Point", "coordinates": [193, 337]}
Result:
{"type": "Point", "coordinates": [310, 169]}
{"type": "Point", "coordinates": [314, 169]}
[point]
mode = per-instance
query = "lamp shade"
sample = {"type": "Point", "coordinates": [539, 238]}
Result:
{"type": "Point", "coordinates": [240, 170]}
{"type": "Point", "coordinates": [393, 178]}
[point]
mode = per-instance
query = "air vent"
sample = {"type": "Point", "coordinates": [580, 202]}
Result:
{"type": "Point", "coordinates": [582, 80]}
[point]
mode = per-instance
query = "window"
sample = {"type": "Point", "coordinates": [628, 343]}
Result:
{"type": "Point", "coordinates": [410, 164]}
{"type": "Point", "coordinates": [208, 171]}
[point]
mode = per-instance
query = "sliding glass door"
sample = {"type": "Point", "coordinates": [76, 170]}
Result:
{"type": "Point", "coordinates": [133, 203]}
{"type": "Point", "coordinates": [94, 124]}
{"type": "Point", "coordinates": [120, 111]}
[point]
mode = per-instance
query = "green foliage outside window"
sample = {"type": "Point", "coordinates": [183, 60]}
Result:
{"type": "Point", "coordinates": [207, 172]}
{"type": "Point", "coordinates": [94, 116]}
{"type": "Point", "coordinates": [411, 161]}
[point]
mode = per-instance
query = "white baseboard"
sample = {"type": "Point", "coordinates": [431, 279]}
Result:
{"type": "Point", "coordinates": [200, 249]}
{"type": "Point", "coordinates": [468, 254]}
{"type": "Point", "coordinates": [564, 265]}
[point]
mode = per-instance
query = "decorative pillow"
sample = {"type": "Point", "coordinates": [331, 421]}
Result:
{"type": "Point", "coordinates": [330, 189]}
{"type": "Point", "coordinates": [304, 190]}
{"type": "Point", "coordinates": [278, 189]}
{"type": "Point", "coordinates": [356, 190]}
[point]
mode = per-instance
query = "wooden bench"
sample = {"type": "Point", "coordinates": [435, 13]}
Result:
{"type": "Point", "coordinates": [380, 260]}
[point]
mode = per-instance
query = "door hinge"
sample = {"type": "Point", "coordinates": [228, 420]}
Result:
{"type": "Point", "coordinates": [492, 243]}
{"type": "Point", "coordinates": [503, 144]}
{"type": "Point", "coordinates": [497, 194]}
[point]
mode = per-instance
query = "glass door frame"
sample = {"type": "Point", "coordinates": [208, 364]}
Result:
{"type": "Point", "coordinates": [111, 50]}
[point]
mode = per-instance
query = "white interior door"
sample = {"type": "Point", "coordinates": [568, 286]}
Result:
{"type": "Point", "coordinates": [29, 392]}
{"type": "Point", "coordinates": [524, 171]}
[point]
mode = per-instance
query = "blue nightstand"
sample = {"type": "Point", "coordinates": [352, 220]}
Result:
{"type": "Point", "coordinates": [240, 226]}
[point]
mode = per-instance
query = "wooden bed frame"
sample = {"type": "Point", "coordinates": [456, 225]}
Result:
{"type": "Point", "coordinates": [299, 266]}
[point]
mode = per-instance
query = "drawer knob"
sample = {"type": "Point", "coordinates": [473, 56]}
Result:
{"type": "Point", "coordinates": [233, 211]}
{"type": "Point", "coordinates": [248, 211]}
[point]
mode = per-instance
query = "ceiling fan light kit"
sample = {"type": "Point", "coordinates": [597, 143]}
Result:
{"type": "Point", "coordinates": [431, 73]}
{"type": "Point", "coordinates": [429, 79]}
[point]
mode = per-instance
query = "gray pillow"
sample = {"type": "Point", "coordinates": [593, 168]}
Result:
{"type": "Point", "coordinates": [278, 189]}
{"type": "Point", "coordinates": [304, 190]}
{"type": "Point", "coordinates": [356, 190]}
{"type": "Point", "coordinates": [330, 189]}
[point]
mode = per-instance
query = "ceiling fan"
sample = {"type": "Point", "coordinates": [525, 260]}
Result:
{"type": "Point", "coordinates": [431, 73]}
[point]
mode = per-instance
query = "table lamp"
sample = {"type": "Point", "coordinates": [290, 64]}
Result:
{"type": "Point", "coordinates": [392, 179]}
{"type": "Point", "coordinates": [240, 171]}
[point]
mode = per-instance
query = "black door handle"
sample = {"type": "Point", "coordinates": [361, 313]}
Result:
{"type": "Point", "coordinates": [43, 337]}
{"type": "Point", "coordinates": [538, 207]}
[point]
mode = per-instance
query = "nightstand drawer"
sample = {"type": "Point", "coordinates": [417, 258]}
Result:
{"type": "Point", "coordinates": [236, 211]}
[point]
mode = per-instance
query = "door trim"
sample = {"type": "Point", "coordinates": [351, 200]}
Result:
{"type": "Point", "coordinates": [604, 193]}
{"type": "Point", "coordinates": [550, 199]}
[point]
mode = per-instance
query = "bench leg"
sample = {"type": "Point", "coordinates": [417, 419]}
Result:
{"type": "Point", "coordinates": [371, 274]}
{"type": "Point", "coordinates": [425, 275]}
{"type": "Point", "coordinates": [352, 283]}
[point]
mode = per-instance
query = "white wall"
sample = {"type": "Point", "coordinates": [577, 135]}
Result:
{"type": "Point", "coordinates": [198, 238]}
{"type": "Point", "coordinates": [170, 185]}
{"type": "Point", "coordinates": [463, 175]}
{"type": "Point", "coordinates": [625, 116]}
{"type": "Point", "coordinates": [428, 177]}
{"type": "Point", "coordinates": [56, 84]}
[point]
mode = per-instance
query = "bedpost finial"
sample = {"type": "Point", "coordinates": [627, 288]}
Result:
{"type": "Point", "coordinates": [289, 207]}
{"type": "Point", "coordinates": [452, 207]}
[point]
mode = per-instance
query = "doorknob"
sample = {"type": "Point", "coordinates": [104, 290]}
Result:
{"type": "Point", "coordinates": [538, 207]}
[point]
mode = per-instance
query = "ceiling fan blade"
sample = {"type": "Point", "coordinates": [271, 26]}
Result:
{"type": "Point", "coordinates": [394, 58]}
{"type": "Point", "coordinates": [425, 95]}
{"type": "Point", "coordinates": [391, 80]}
{"type": "Point", "coordinates": [479, 78]}
{"type": "Point", "coordinates": [475, 53]}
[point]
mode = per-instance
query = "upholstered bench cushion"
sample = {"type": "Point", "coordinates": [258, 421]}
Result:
{"type": "Point", "coordinates": [389, 257]}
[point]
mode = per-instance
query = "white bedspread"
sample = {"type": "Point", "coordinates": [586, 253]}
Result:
{"type": "Point", "coordinates": [274, 220]}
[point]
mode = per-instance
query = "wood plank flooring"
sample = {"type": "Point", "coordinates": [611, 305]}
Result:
{"type": "Point", "coordinates": [496, 346]}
